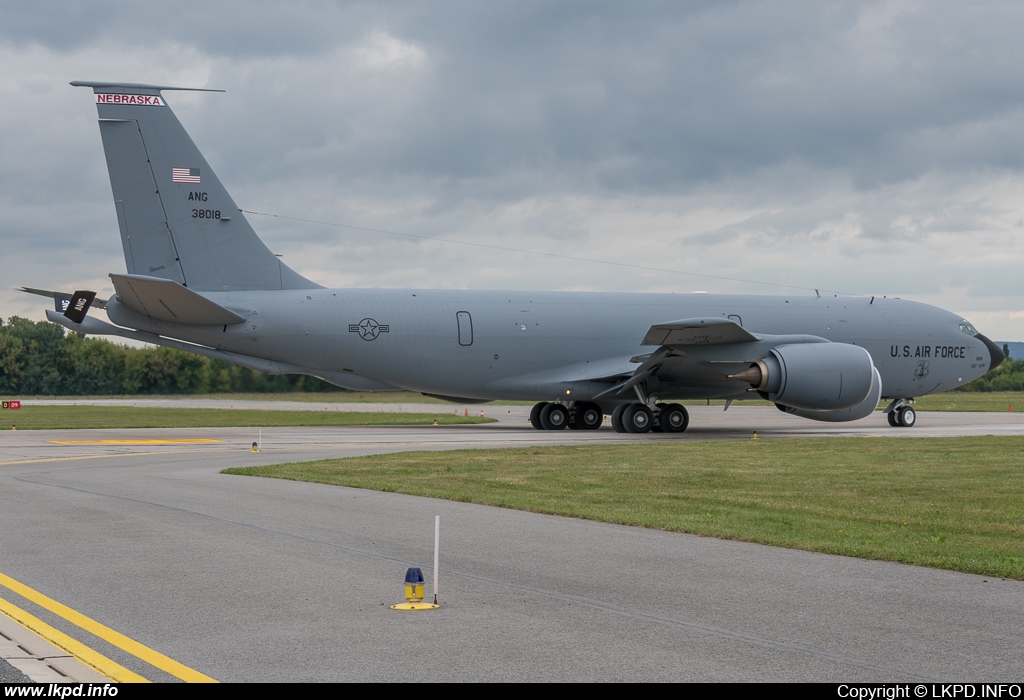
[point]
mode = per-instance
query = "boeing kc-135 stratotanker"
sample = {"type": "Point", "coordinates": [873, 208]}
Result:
{"type": "Point", "coordinates": [199, 279]}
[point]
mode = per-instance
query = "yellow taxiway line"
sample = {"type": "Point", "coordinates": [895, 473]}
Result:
{"type": "Point", "coordinates": [83, 653]}
{"type": "Point", "coordinates": [183, 441]}
{"type": "Point", "coordinates": [44, 460]}
{"type": "Point", "coordinates": [111, 669]}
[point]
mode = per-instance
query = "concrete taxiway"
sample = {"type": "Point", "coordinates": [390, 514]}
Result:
{"type": "Point", "coordinates": [248, 579]}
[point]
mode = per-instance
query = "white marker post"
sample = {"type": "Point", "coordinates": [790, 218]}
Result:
{"type": "Point", "coordinates": [437, 544]}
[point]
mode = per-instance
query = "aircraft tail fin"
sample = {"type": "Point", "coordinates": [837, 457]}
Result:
{"type": "Point", "coordinates": [176, 219]}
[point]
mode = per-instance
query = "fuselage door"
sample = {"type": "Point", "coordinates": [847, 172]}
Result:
{"type": "Point", "coordinates": [465, 328]}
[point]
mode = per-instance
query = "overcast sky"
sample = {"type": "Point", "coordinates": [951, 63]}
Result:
{"type": "Point", "coordinates": [863, 147]}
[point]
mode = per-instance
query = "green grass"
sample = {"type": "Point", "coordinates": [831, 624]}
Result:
{"type": "Point", "coordinates": [340, 397]}
{"type": "Point", "coordinates": [950, 503]}
{"type": "Point", "coordinates": [994, 401]}
{"type": "Point", "coordinates": [74, 417]}
{"type": "Point", "coordinates": [304, 396]}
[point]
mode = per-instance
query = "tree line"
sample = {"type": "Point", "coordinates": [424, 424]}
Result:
{"type": "Point", "coordinates": [1008, 376]}
{"type": "Point", "coordinates": [41, 359]}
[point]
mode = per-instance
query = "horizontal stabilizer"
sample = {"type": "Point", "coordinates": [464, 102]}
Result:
{"type": "Point", "coordinates": [61, 299]}
{"type": "Point", "coordinates": [698, 331]}
{"type": "Point", "coordinates": [166, 300]}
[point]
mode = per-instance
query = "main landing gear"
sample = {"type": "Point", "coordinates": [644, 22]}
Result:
{"type": "Point", "coordinates": [639, 418]}
{"type": "Point", "coordinates": [901, 414]}
{"type": "Point", "coordinates": [626, 418]}
{"type": "Point", "coordinates": [580, 415]}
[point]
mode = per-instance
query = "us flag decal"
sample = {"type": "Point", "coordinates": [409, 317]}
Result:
{"type": "Point", "coordinates": [188, 176]}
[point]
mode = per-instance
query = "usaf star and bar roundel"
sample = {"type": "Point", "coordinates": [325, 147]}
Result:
{"type": "Point", "coordinates": [368, 329]}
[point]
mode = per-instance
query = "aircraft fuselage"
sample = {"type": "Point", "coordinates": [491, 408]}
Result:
{"type": "Point", "coordinates": [539, 345]}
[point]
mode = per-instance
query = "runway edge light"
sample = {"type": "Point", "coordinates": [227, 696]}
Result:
{"type": "Point", "coordinates": [414, 588]}
{"type": "Point", "coordinates": [414, 592]}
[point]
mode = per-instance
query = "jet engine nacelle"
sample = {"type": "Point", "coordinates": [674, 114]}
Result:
{"type": "Point", "coordinates": [814, 376]}
{"type": "Point", "coordinates": [862, 410]}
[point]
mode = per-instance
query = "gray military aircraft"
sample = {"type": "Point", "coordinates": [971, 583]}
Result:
{"type": "Point", "coordinates": [199, 279]}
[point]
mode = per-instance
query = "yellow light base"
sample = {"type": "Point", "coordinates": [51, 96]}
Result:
{"type": "Point", "coordinates": [422, 605]}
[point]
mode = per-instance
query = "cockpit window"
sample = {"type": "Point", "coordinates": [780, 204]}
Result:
{"type": "Point", "coordinates": [967, 328]}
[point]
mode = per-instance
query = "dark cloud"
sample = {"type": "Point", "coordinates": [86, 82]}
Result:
{"type": "Point", "coordinates": [238, 30]}
{"type": "Point", "coordinates": [641, 98]}
{"type": "Point", "coordinates": [863, 144]}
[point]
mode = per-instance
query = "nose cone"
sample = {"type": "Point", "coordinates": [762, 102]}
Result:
{"type": "Point", "coordinates": [994, 350]}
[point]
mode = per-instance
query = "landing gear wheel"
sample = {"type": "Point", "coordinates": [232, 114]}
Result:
{"type": "Point", "coordinates": [554, 416]}
{"type": "Point", "coordinates": [617, 424]}
{"type": "Point", "coordinates": [907, 417]}
{"type": "Point", "coordinates": [637, 418]}
{"type": "Point", "coordinates": [894, 420]}
{"type": "Point", "coordinates": [674, 418]}
{"type": "Point", "coordinates": [588, 416]}
{"type": "Point", "coordinates": [535, 415]}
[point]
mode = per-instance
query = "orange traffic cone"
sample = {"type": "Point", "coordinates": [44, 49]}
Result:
{"type": "Point", "coordinates": [467, 413]}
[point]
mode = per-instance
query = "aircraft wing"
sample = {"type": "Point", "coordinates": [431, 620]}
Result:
{"type": "Point", "coordinates": [698, 352]}
{"type": "Point", "coordinates": [162, 299]}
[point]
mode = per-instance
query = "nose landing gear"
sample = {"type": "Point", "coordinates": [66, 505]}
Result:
{"type": "Point", "coordinates": [901, 414]}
